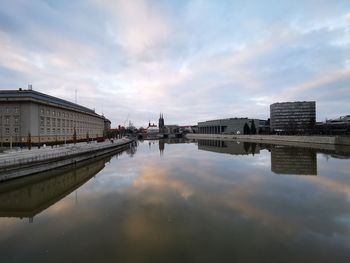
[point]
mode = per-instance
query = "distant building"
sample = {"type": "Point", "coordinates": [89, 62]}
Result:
{"type": "Point", "coordinates": [107, 126]}
{"type": "Point", "coordinates": [228, 126]}
{"type": "Point", "coordinates": [31, 116]}
{"type": "Point", "coordinates": [293, 117]}
{"type": "Point", "coordinates": [172, 128]}
{"type": "Point", "coordinates": [264, 126]}
{"type": "Point", "coordinates": [161, 123]}
{"type": "Point", "coordinates": [337, 126]}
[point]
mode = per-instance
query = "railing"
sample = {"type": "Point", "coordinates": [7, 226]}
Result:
{"type": "Point", "coordinates": [7, 161]}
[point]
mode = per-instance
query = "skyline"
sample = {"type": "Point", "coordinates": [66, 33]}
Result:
{"type": "Point", "coordinates": [191, 60]}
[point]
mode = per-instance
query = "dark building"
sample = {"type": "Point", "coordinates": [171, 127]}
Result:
{"type": "Point", "coordinates": [338, 126]}
{"type": "Point", "coordinates": [293, 117]}
{"type": "Point", "coordinates": [161, 123]}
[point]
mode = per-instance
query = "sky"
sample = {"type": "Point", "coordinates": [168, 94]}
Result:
{"type": "Point", "coordinates": [192, 60]}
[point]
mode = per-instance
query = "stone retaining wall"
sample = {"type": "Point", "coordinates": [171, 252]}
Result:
{"type": "Point", "coordinates": [328, 140]}
{"type": "Point", "coordinates": [54, 163]}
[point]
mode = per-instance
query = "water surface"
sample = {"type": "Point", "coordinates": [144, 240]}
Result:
{"type": "Point", "coordinates": [205, 201]}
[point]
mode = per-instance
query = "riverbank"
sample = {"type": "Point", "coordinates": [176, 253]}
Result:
{"type": "Point", "coordinates": [25, 162]}
{"type": "Point", "coordinates": [318, 142]}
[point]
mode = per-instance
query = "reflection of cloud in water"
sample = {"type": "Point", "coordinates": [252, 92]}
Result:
{"type": "Point", "coordinates": [159, 178]}
{"type": "Point", "coordinates": [202, 205]}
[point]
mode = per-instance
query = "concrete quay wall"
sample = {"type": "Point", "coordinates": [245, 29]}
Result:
{"type": "Point", "coordinates": [20, 168]}
{"type": "Point", "coordinates": [322, 141]}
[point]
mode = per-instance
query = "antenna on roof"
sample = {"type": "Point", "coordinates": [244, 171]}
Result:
{"type": "Point", "coordinates": [30, 87]}
{"type": "Point", "coordinates": [76, 100]}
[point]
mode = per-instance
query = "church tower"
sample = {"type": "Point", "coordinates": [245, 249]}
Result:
{"type": "Point", "coordinates": [161, 123]}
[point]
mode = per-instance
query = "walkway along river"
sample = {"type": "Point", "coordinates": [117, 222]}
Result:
{"type": "Point", "coordinates": [20, 163]}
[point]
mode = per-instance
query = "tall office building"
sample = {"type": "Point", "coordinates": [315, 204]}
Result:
{"type": "Point", "coordinates": [28, 115]}
{"type": "Point", "coordinates": [293, 117]}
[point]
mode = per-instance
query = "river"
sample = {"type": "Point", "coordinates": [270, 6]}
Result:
{"type": "Point", "coordinates": [181, 201]}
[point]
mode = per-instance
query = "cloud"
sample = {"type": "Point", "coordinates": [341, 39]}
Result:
{"type": "Point", "coordinates": [192, 60]}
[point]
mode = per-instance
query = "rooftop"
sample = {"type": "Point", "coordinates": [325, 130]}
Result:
{"type": "Point", "coordinates": [35, 95]}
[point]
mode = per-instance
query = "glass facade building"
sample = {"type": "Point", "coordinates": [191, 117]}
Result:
{"type": "Point", "coordinates": [293, 117]}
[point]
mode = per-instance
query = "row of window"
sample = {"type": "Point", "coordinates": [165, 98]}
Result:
{"type": "Point", "coordinates": [15, 130]}
{"type": "Point", "coordinates": [64, 114]}
{"type": "Point", "coordinates": [8, 110]}
{"type": "Point", "coordinates": [66, 131]}
{"type": "Point", "coordinates": [48, 131]}
{"type": "Point", "coordinates": [64, 123]}
{"type": "Point", "coordinates": [7, 120]}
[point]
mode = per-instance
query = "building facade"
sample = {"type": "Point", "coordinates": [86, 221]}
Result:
{"type": "Point", "coordinates": [28, 116]}
{"type": "Point", "coordinates": [337, 126]}
{"type": "Point", "coordinates": [228, 126]}
{"type": "Point", "coordinates": [293, 117]}
{"type": "Point", "coordinates": [161, 124]}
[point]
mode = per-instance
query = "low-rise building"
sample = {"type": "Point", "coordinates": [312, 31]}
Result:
{"type": "Point", "coordinates": [30, 116]}
{"type": "Point", "coordinates": [336, 126]}
{"type": "Point", "coordinates": [229, 126]}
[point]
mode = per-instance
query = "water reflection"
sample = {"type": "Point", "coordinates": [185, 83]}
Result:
{"type": "Point", "coordinates": [193, 206]}
{"type": "Point", "coordinates": [29, 196]}
{"type": "Point", "coordinates": [229, 147]}
{"type": "Point", "coordinates": [284, 159]}
{"type": "Point", "coordinates": [292, 160]}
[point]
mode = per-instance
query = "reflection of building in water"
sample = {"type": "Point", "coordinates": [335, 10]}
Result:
{"type": "Point", "coordinates": [291, 160]}
{"type": "Point", "coordinates": [132, 149]}
{"type": "Point", "coordinates": [161, 147]}
{"type": "Point", "coordinates": [28, 196]}
{"type": "Point", "coordinates": [229, 147]}
{"type": "Point", "coordinates": [162, 142]}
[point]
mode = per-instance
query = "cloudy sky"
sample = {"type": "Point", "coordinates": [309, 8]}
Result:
{"type": "Point", "coordinates": [193, 60]}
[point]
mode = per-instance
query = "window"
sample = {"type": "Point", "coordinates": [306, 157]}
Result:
{"type": "Point", "coordinates": [16, 130]}
{"type": "Point", "coordinates": [53, 113]}
{"type": "Point", "coordinates": [53, 122]}
{"type": "Point", "coordinates": [7, 120]}
{"type": "Point", "coordinates": [47, 121]}
{"type": "Point", "coordinates": [7, 131]}
{"type": "Point", "coordinates": [7, 110]}
{"type": "Point", "coordinates": [16, 120]}
{"type": "Point", "coordinates": [48, 130]}
{"type": "Point", "coordinates": [47, 112]}
{"type": "Point", "coordinates": [42, 121]}
{"type": "Point", "coordinates": [42, 111]}
{"type": "Point", "coordinates": [42, 130]}
{"type": "Point", "coordinates": [16, 110]}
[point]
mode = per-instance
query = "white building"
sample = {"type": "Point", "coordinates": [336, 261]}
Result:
{"type": "Point", "coordinates": [31, 115]}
